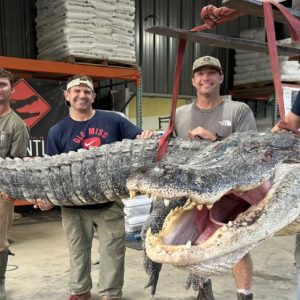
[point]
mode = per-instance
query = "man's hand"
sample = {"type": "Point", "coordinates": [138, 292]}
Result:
{"type": "Point", "coordinates": [42, 204]}
{"type": "Point", "coordinates": [146, 134]}
{"type": "Point", "coordinates": [202, 133]}
{"type": "Point", "coordinates": [276, 128]}
{"type": "Point", "coordinates": [6, 197]}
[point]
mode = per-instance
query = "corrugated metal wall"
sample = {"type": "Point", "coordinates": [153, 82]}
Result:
{"type": "Point", "coordinates": [17, 30]}
{"type": "Point", "coordinates": [157, 54]}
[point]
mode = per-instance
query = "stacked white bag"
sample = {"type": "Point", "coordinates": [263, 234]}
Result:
{"type": "Point", "coordinates": [136, 211]}
{"type": "Point", "coordinates": [255, 66]}
{"type": "Point", "coordinates": [97, 29]}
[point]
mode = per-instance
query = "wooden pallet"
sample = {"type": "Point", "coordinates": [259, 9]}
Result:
{"type": "Point", "coordinates": [297, 58]}
{"type": "Point", "coordinates": [253, 85]}
{"type": "Point", "coordinates": [261, 85]}
{"type": "Point", "coordinates": [96, 61]}
{"type": "Point", "coordinates": [263, 90]}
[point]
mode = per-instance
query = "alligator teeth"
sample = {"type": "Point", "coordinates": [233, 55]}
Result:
{"type": "Point", "coordinates": [167, 202]}
{"type": "Point", "coordinates": [199, 206]}
{"type": "Point", "coordinates": [132, 194]}
{"type": "Point", "coordinates": [188, 245]}
{"type": "Point", "coordinates": [209, 206]}
{"type": "Point", "coordinates": [230, 224]}
{"type": "Point", "coordinates": [153, 198]}
{"type": "Point", "coordinates": [224, 228]}
{"type": "Point", "coordinates": [188, 201]}
{"type": "Point", "coordinates": [157, 249]}
{"type": "Point", "coordinates": [149, 232]}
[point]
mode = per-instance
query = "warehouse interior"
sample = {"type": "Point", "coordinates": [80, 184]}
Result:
{"type": "Point", "coordinates": [140, 85]}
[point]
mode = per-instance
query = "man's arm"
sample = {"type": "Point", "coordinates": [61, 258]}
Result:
{"type": "Point", "coordinates": [52, 145]}
{"type": "Point", "coordinates": [292, 121]}
{"type": "Point", "coordinates": [20, 141]}
{"type": "Point", "coordinates": [145, 134]}
{"type": "Point", "coordinates": [18, 148]}
{"type": "Point", "coordinates": [246, 120]}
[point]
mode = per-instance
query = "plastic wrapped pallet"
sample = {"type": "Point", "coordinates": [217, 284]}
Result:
{"type": "Point", "coordinates": [254, 67]}
{"type": "Point", "coordinates": [136, 211]}
{"type": "Point", "coordinates": [99, 29]}
{"type": "Point", "coordinates": [135, 224]}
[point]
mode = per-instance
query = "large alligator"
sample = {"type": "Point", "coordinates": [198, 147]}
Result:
{"type": "Point", "coordinates": [240, 191]}
{"type": "Point", "coordinates": [90, 176]}
{"type": "Point", "coordinates": [220, 222]}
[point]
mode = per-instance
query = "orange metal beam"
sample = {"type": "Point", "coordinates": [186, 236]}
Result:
{"type": "Point", "coordinates": [53, 69]}
{"type": "Point", "coordinates": [22, 203]}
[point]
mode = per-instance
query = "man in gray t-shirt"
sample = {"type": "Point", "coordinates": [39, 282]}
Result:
{"type": "Point", "coordinates": [223, 118]}
{"type": "Point", "coordinates": [211, 118]}
{"type": "Point", "coordinates": [14, 138]}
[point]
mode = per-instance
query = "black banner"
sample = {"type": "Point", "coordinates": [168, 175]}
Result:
{"type": "Point", "coordinates": [40, 103]}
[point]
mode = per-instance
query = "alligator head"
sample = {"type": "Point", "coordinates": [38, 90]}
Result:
{"type": "Point", "coordinates": [239, 192]}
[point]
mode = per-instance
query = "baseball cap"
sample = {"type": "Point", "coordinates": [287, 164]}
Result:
{"type": "Point", "coordinates": [79, 81]}
{"type": "Point", "coordinates": [207, 61]}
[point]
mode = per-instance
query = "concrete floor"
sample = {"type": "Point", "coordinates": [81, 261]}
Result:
{"type": "Point", "coordinates": [39, 270]}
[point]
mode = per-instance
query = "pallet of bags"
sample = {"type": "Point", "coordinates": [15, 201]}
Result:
{"type": "Point", "coordinates": [99, 29]}
{"type": "Point", "coordinates": [136, 212]}
{"type": "Point", "coordinates": [252, 67]}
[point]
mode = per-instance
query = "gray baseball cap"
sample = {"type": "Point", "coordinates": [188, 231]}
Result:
{"type": "Point", "coordinates": [207, 61]}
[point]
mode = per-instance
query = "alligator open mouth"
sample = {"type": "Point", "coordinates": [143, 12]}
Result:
{"type": "Point", "coordinates": [209, 239]}
{"type": "Point", "coordinates": [193, 223]}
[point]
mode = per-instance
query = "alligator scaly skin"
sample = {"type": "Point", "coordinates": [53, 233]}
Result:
{"type": "Point", "coordinates": [85, 177]}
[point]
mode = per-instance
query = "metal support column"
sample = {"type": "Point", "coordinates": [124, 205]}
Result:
{"type": "Point", "coordinates": [139, 100]}
{"type": "Point", "coordinates": [275, 112]}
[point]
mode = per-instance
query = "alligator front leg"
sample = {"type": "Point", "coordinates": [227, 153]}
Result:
{"type": "Point", "coordinates": [155, 222]}
{"type": "Point", "coordinates": [200, 284]}
{"type": "Point", "coordinates": [205, 290]}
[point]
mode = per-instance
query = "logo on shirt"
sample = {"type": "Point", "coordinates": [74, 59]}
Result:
{"type": "Point", "coordinates": [91, 142]}
{"type": "Point", "coordinates": [226, 123]}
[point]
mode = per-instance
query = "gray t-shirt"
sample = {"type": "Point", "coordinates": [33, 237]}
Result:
{"type": "Point", "coordinates": [14, 136]}
{"type": "Point", "coordinates": [224, 119]}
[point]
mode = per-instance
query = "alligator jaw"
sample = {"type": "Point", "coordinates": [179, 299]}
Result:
{"type": "Point", "coordinates": [193, 225]}
{"type": "Point", "coordinates": [180, 242]}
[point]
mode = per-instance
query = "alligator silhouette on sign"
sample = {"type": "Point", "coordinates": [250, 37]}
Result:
{"type": "Point", "coordinates": [20, 103]}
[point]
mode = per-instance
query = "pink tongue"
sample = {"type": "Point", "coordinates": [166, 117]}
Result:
{"type": "Point", "coordinates": [256, 195]}
{"type": "Point", "coordinates": [228, 208]}
{"type": "Point", "coordinates": [233, 203]}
